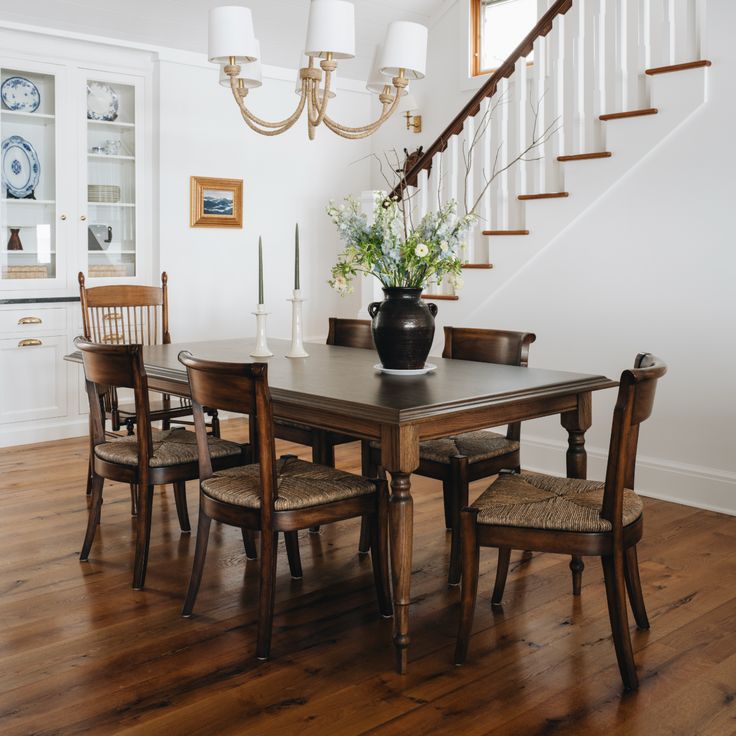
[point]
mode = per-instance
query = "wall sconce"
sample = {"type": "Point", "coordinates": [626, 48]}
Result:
{"type": "Point", "coordinates": [407, 106]}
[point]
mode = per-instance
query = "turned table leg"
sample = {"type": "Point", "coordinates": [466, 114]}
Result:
{"type": "Point", "coordinates": [576, 423]}
{"type": "Point", "coordinates": [400, 456]}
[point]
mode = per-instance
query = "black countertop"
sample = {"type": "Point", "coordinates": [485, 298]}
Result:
{"type": "Point", "coordinates": [40, 300]}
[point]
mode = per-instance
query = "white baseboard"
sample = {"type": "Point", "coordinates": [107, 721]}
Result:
{"type": "Point", "coordinates": [16, 434]}
{"type": "Point", "coordinates": [691, 485]}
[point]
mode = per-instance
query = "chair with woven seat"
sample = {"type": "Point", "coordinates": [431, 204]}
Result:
{"type": "Point", "coordinates": [273, 495]}
{"type": "Point", "coordinates": [150, 457]}
{"type": "Point", "coordinates": [572, 516]}
{"type": "Point", "coordinates": [461, 459]}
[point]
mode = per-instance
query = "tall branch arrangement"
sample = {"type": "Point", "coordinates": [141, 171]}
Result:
{"type": "Point", "coordinates": [400, 252]}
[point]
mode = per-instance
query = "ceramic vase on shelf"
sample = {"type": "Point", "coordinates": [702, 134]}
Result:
{"type": "Point", "coordinates": [403, 328]}
{"type": "Point", "coordinates": [14, 241]}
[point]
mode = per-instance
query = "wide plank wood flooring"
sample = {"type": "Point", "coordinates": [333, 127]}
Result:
{"type": "Point", "coordinates": [80, 652]}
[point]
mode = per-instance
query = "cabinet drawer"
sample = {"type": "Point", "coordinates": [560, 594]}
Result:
{"type": "Point", "coordinates": [32, 378]}
{"type": "Point", "coordinates": [30, 319]}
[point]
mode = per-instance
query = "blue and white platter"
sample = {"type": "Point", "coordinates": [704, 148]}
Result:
{"type": "Point", "coordinates": [428, 368]}
{"type": "Point", "coordinates": [20, 94]}
{"type": "Point", "coordinates": [20, 166]}
{"type": "Point", "coordinates": [102, 102]}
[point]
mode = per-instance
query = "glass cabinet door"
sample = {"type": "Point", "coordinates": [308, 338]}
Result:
{"type": "Point", "coordinates": [111, 135]}
{"type": "Point", "coordinates": [28, 189]}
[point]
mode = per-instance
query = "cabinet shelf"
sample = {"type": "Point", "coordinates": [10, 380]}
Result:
{"type": "Point", "coordinates": [25, 252]}
{"type": "Point", "coordinates": [38, 118]}
{"type": "Point", "coordinates": [104, 156]}
{"type": "Point", "coordinates": [110, 124]}
{"type": "Point", "coordinates": [111, 204]}
{"type": "Point", "coordinates": [5, 200]}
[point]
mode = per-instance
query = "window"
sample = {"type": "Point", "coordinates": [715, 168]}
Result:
{"type": "Point", "coordinates": [498, 26]}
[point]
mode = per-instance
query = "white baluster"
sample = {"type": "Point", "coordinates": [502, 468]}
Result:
{"type": "Point", "coordinates": [659, 33]}
{"type": "Point", "coordinates": [538, 99]}
{"type": "Point", "coordinates": [498, 205]}
{"type": "Point", "coordinates": [683, 20]}
{"type": "Point", "coordinates": [422, 194]}
{"type": "Point", "coordinates": [631, 71]}
{"type": "Point", "coordinates": [569, 63]}
{"type": "Point", "coordinates": [590, 138]}
{"type": "Point", "coordinates": [471, 162]}
{"type": "Point", "coordinates": [523, 115]}
{"type": "Point", "coordinates": [514, 146]}
{"type": "Point", "coordinates": [699, 31]}
{"type": "Point", "coordinates": [503, 158]}
{"type": "Point", "coordinates": [554, 107]}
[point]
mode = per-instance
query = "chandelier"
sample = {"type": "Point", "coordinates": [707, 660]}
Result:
{"type": "Point", "coordinates": [330, 37]}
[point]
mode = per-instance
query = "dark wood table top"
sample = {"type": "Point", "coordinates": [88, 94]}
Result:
{"type": "Point", "coordinates": [344, 380]}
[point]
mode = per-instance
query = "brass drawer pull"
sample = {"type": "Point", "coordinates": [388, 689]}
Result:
{"type": "Point", "coordinates": [29, 342]}
{"type": "Point", "coordinates": [30, 321]}
{"type": "Point", "coordinates": [110, 317]}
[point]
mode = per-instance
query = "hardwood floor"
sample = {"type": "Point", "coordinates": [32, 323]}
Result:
{"type": "Point", "coordinates": [82, 652]}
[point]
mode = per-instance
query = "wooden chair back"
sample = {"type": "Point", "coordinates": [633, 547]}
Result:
{"type": "Point", "coordinates": [241, 388]}
{"type": "Point", "coordinates": [633, 406]}
{"type": "Point", "coordinates": [490, 346]}
{"type": "Point", "coordinates": [117, 366]}
{"type": "Point", "coordinates": [126, 314]}
{"type": "Point", "coordinates": [351, 333]}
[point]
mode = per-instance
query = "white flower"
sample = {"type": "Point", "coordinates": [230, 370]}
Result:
{"type": "Point", "coordinates": [340, 283]}
{"type": "Point", "coordinates": [444, 247]}
{"type": "Point", "coordinates": [421, 250]}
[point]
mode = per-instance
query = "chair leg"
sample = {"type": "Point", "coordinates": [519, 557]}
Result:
{"type": "Point", "coordinates": [471, 563]}
{"type": "Point", "coordinates": [180, 498]}
{"type": "Point", "coordinates": [133, 499]}
{"type": "Point", "coordinates": [613, 574]}
{"type": "Point", "coordinates": [249, 542]}
{"type": "Point", "coordinates": [447, 496]}
{"type": "Point", "coordinates": [379, 553]}
{"type": "Point", "coordinates": [292, 552]}
{"type": "Point", "coordinates": [577, 566]}
{"type": "Point", "coordinates": [633, 586]}
{"type": "Point", "coordinates": [93, 517]}
{"type": "Point", "coordinates": [364, 544]}
{"type": "Point", "coordinates": [502, 571]}
{"type": "Point", "coordinates": [90, 474]}
{"type": "Point", "coordinates": [458, 500]}
{"type": "Point", "coordinates": [269, 548]}
{"type": "Point", "coordinates": [143, 538]}
{"type": "Point", "coordinates": [200, 552]}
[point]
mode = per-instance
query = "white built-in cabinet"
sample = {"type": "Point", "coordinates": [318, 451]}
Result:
{"type": "Point", "coordinates": [90, 211]}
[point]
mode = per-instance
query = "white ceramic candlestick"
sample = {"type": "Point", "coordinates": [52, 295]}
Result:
{"type": "Point", "coordinates": [297, 345]}
{"type": "Point", "coordinates": [261, 350]}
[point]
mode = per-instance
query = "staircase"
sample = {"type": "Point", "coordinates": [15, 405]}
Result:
{"type": "Point", "coordinates": [611, 78]}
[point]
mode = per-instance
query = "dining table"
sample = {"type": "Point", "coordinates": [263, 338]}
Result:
{"type": "Point", "coordinates": [341, 389]}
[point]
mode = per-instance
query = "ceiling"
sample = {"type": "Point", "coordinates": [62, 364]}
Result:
{"type": "Point", "coordinates": [279, 24]}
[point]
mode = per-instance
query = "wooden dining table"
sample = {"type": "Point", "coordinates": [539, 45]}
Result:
{"type": "Point", "coordinates": [339, 389]}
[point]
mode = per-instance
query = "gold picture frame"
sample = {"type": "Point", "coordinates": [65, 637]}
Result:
{"type": "Point", "coordinates": [216, 202]}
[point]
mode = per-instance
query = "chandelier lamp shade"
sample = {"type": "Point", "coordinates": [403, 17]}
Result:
{"type": "Point", "coordinates": [330, 38]}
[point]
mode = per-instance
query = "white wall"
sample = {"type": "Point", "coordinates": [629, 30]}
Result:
{"type": "Point", "coordinates": [649, 267]}
{"type": "Point", "coordinates": [287, 179]}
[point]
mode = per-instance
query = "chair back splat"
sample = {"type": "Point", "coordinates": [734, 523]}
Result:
{"type": "Point", "coordinates": [351, 333]}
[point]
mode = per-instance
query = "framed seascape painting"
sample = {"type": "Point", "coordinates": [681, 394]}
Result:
{"type": "Point", "coordinates": [216, 202]}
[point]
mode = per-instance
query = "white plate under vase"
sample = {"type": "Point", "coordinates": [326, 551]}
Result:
{"type": "Point", "coordinates": [428, 368]}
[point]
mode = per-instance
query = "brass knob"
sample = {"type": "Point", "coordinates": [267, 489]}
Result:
{"type": "Point", "coordinates": [29, 342]}
{"type": "Point", "coordinates": [30, 321]}
{"type": "Point", "coordinates": [63, 217]}
{"type": "Point", "coordinates": [83, 218]}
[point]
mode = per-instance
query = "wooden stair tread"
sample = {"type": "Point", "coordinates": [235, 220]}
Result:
{"type": "Point", "coordinates": [585, 156]}
{"type": "Point", "coordinates": [441, 297]}
{"type": "Point", "coordinates": [505, 232]}
{"type": "Point", "coordinates": [677, 67]}
{"type": "Point", "coordinates": [629, 114]}
{"type": "Point", "coordinates": [477, 265]}
{"type": "Point", "coordinates": [545, 195]}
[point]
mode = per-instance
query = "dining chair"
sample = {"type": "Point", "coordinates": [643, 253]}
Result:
{"type": "Point", "coordinates": [145, 459]}
{"type": "Point", "coordinates": [572, 516]}
{"type": "Point", "coordinates": [133, 314]}
{"type": "Point", "coordinates": [459, 460]}
{"type": "Point", "coordinates": [272, 496]}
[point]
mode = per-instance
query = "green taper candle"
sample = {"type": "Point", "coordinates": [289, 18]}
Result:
{"type": "Point", "coordinates": [296, 258]}
{"type": "Point", "coordinates": [260, 270]}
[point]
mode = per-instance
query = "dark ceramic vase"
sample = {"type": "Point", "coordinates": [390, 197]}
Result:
{"type": "Point", "coordinates": [14, 242]}
{"type": "Point", "coordinates": [403, 328]}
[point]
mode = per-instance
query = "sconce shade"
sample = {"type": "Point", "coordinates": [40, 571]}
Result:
{"type": "Point", "coordinates": [231, 35]}
{"type": "Point", "coordinates": [405, 48]}
{"type": "Point", "coordinates": [331, 29]}
{"type": "Point", "coordinates": [408, 104]}
{"type": "Point", "coordinates": [250, 73]}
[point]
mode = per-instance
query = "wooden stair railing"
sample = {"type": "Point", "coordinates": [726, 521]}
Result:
{"type": "Point", "coordinates": [472, 108]}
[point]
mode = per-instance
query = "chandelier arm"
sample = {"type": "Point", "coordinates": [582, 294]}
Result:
{"type": "Point", "coordinates": [388, 110]}
{"type": "Point", "coordinates": [320, 107]}
{"type": "Point", "coordinates": [261, 131]}
{"type": "Point", "coordinates": [349, 136]}
{"type": "Point", "coordinates": [248, 115]}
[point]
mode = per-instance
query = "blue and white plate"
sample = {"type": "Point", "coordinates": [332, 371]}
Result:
{"type": "Point", "coordinates": [20, 166]}
{"type": "Point", "coordinates": [20, 94]}
{"type": "Point", "coordinates": [102, 101]}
